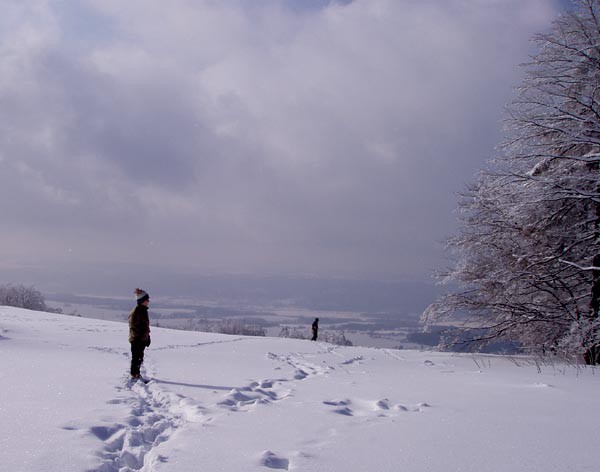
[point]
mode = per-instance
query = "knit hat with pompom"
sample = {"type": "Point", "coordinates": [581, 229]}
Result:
{"type": "Point", "coordinates": [141, 296]}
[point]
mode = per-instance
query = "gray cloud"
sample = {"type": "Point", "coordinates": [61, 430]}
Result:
{"type": "Point", "coordinates": [258, 137]}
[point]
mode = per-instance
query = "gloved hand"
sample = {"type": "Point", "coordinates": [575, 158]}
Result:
{"type": "Point", "coordinates": [148, 343]}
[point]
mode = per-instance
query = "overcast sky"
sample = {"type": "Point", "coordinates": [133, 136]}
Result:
{"type": "Point", "coordinates": [286, 137]}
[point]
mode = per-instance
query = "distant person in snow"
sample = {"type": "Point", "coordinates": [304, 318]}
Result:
{"type": "Point", "coordinates": [315, 329]}
{"type": "Point", "coordinates": [139, 331]}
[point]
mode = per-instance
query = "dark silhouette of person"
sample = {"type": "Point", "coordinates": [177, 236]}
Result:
{"type": "Point", "coordinates": [315, 329]}
{"type": "Point", "coordinates": [139, 332]}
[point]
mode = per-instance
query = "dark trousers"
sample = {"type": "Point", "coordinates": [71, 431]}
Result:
{"type": "Point", "coordinates": [137, 356]}
{"type": "Point", "coordinates": [314, 338]}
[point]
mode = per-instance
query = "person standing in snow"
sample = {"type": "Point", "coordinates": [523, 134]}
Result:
{"type": "Point", "coordinates": [139, 331]}
{"type": "Point", "coordinates": [315, 329]}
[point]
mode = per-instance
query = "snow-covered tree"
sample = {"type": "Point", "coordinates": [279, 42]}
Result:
{"type": "Point", "coordinates": [22, 296]}
{"type": "Point", "coordinates": [528, 252]}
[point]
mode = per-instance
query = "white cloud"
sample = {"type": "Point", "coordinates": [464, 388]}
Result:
{"type": "Point", "coordinates": [256, 137]}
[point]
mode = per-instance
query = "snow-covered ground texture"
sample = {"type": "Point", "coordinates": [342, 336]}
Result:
{"type": "Point", "coordinates": [241, 404]}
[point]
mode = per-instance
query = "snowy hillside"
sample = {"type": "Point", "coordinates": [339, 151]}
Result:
{"type": "Point", "coordinates": [226, 403]}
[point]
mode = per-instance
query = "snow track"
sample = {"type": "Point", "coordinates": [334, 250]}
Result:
{"type": "Point", "coordinates": [256, 393]}
{"type": "Point", "coordinates": [169, 419]}
{"type": "Point", "coordinates": [155, 417]}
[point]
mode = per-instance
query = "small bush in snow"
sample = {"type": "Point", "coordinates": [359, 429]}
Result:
{"type": "Point", "coordinates": [335, 337]}
{"type": "Point", "coordinates": [294, 333]}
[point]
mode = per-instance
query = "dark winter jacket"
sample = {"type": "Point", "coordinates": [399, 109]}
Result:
{"type": "Point", "coordinates": [315, 326]}
{"type": "Point", "coordinates": [139, 325]}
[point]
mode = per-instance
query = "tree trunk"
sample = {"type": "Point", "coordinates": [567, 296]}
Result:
{"type": "Point", "coordinates": [592, 354]}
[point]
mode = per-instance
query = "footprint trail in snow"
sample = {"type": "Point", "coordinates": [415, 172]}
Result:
{"type": "Point", "coordinates": [156, 414]}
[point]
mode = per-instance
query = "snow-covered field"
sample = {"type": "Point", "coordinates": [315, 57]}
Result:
{"type": "Point", "coordinates": [227, 403]}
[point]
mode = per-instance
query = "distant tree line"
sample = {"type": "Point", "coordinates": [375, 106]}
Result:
{"type": "Point", "coordinates": [230, 326]}
{"type": "Point", "coordinates": [527, 255]}
{"type": "Point", "coordinates": [27, 297]}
